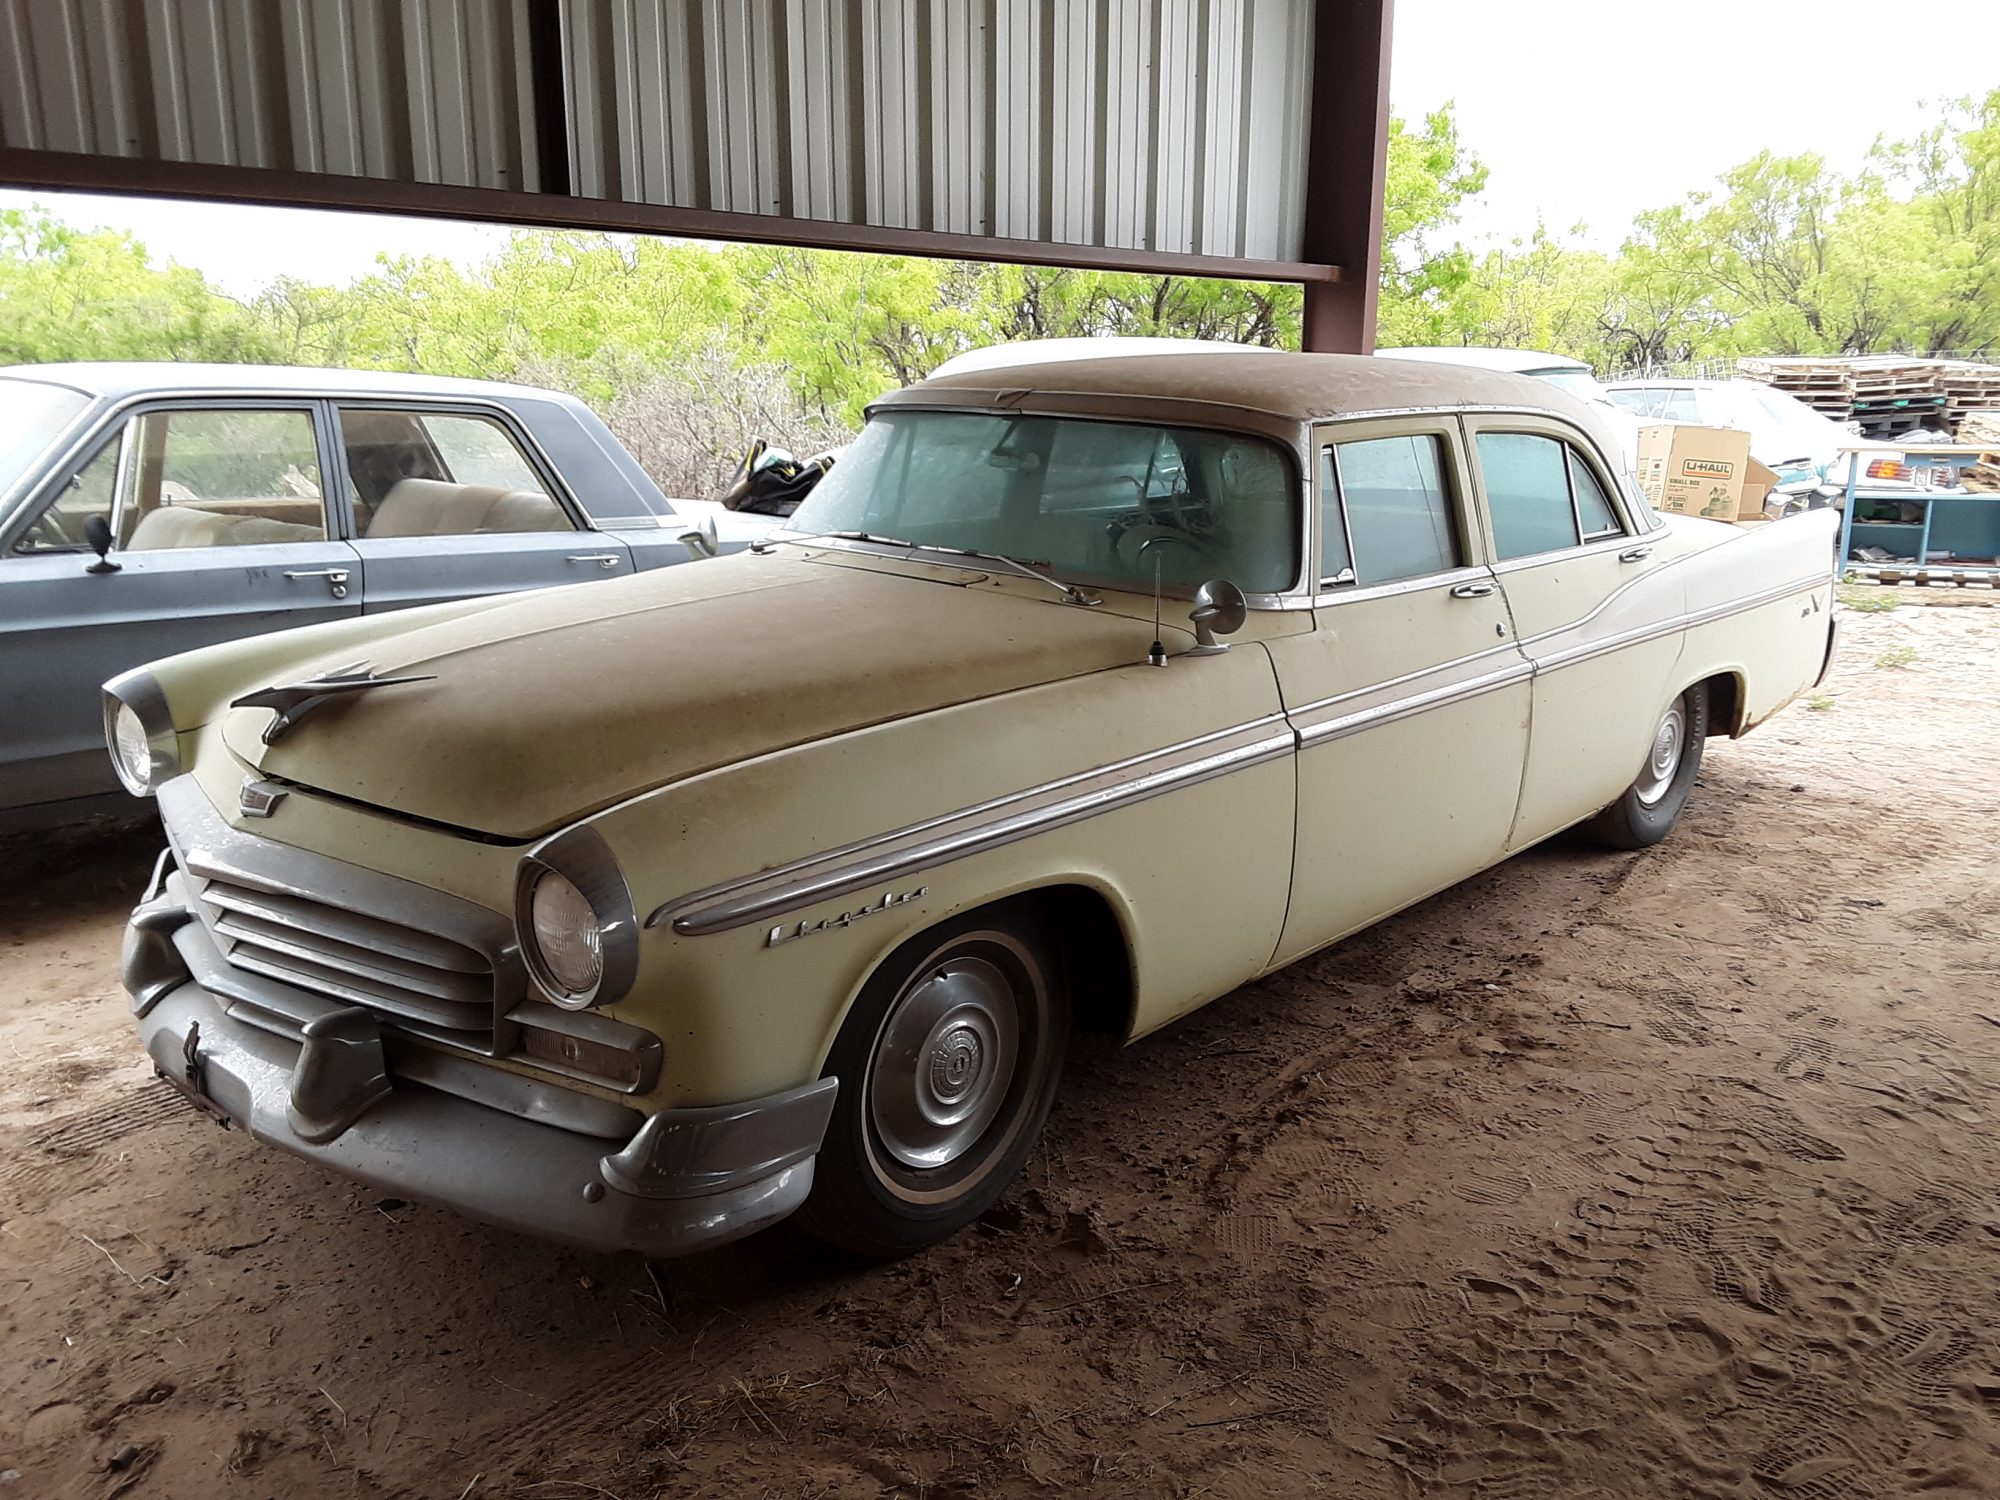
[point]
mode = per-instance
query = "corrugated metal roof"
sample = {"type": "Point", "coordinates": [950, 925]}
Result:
{"type": "Point", "coordinates": [1153, 125]}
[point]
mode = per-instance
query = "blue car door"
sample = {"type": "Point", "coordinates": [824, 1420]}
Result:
{"type": "Point", "coordinates": [222, 529]}
{"type": "Point", "coordinates": [454, 501]}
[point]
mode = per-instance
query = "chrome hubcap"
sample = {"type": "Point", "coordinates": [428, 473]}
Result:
{"type": "Point", "coordinates": [944, 1061]}
{"type": "Point", "coordinates": [1665, 759]}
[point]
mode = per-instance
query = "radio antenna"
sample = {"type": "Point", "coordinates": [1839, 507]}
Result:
{"type": "Point", "coordinates": [1157, 657]}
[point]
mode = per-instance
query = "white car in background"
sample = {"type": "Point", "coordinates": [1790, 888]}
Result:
{"type": "Point", "coordinates": [1559, 370]}
{"type": "Point", "coordinates": [1786, 435]}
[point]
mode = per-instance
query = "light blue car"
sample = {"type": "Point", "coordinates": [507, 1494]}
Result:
{"type": "Point", "coordinates": [147, 509]}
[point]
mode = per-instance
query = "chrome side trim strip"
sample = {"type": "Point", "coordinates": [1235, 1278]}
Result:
{"type": "Point", "coordinates": [1335, 725]}
{"type": "Point", "coordinates": [974, 830]}
{"type": "Point", "coordinates": [864, 863]}
{"type": "Point", "coordinates": [1583, 651]}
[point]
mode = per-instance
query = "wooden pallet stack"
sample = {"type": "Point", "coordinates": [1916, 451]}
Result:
{"type": "Point", "coordinates": [1826, 385]}
{"type": "Point", "coordinates": [1969, 390]}
{"type": "Point", "coordinates": [1981, 429]}
{"type": "Point", "coordinates": [1894, 395]}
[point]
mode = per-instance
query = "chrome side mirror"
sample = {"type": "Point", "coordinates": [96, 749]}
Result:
{"type": "Point", "coordinates": [1219, 609]}
{"type": "Point", "coordinates": [700, 539]}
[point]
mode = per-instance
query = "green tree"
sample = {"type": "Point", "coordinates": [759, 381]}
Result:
{"type": "Point", "coordinates": [69, 294]}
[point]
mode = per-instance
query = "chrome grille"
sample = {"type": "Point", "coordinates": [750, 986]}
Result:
{"type": "Point", "coordinates": [410, 976]}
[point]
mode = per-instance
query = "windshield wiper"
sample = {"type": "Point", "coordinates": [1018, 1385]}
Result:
{"type": "Point", "coordinates": [1070, 592]}
{"type": "Point", "coordinates": [765, 543]}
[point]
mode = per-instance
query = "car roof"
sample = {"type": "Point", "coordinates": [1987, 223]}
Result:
{"type": "Point", "coordinates": [1292, 388]}
{"type": "Point", "coordinates": [1518, 361]}
{"type": "Point", "coordinates": [1048, 351]}
{"type": "Point", "coordinates": [120, 378]}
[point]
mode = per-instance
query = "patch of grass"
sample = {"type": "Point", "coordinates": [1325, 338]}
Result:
{"type": "Point", "coordinates": [1819, 703]}
{"type": "Point", "coordinates": [1869, 601]}
{"type": "Point", "coordinates": [1897, 657]}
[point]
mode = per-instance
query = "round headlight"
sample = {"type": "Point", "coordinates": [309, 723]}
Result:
{"type": "Point", "coordinates": [567, 937]}
{"type": "Point", "coordinates": [131, 751]}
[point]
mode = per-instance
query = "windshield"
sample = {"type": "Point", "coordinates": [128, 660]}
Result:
{"type": "Point", "coordinates": [34, 415]}
{"type": "Point", "coordinates": [1096, 502]}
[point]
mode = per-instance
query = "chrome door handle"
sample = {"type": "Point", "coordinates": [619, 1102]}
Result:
{"type": "Point", "coordinates": [605, 560]}
{"type": "Point", "coordinates": [1474, 590]}
{"type": "Point", "coordinates": [1635, 554]}
{"type": "Point", "coordinates": [337, 577]}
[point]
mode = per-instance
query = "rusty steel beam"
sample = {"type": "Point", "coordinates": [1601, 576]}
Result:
{"type": "Point", "coordinates": [225, 184]}
{"type": "Point", "coordinates": [1346, 171]}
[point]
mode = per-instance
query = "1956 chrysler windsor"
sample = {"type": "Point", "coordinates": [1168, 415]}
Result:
{"type": "Point", "coordinates": [642, 914]}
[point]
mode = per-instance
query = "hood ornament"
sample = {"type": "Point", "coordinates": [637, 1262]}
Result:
{"type": "Point", "coordinates": [294, 700]}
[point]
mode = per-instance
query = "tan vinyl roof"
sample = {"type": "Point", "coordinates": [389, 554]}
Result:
{"type": "Point", "coordinates": [1290, 387]}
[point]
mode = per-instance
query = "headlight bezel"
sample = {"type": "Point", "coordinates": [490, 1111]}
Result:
{"type": "Point", "coordinates": [139, 693]}
{"type": "Point", "coordinates": [581, 857]}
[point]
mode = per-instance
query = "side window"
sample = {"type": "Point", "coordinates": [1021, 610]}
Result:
{"type": "Point", "coordinates": [1593, 507]}
{"type": "Point", "coordinates": [1336, 558]}
{"type": "Point", "coordinates": [59, 528]}
{"type": "Point", "coordinates": [1543, 497]}
{"type": "Point", "coordinates": [436, 473]}
{"type": "Point", "coordinates": [1397, 506]}
{"type": "Point", "coordinates": [221, 478]}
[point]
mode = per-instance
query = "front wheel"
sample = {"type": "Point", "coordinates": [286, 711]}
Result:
{"type": "Point", "coordinates": [1648, 809]}
{"type": "Point", "coordinates": [947, 1066]}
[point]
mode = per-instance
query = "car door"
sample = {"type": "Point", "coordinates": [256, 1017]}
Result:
{"type": "Point", "coordinates": [221, 529]}
{"type": "Point", "coordinates": [1408, 695]}
{"type": "Point", "coordinates": [1595, 609]}
{"type": "Point", "coordinates": [454, 501]}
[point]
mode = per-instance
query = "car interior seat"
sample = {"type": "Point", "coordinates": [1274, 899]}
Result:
{"type": "Point", "coordinates": [433, 507]}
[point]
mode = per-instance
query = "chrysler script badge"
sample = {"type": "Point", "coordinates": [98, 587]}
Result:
{"type": "Point", "coordinates": [259, 799]}
{"type": "Point", "coordinates": [798, 930]}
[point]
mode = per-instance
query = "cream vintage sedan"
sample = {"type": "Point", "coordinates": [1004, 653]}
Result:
{"type": "Point", "coordinates": [642, 914]}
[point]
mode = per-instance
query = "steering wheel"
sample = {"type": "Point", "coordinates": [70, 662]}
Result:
{"type": "Point", "coordinates": [1134, 542]}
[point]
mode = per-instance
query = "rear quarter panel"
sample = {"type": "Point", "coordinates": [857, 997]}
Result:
{"type": "Point", "coordinates": [1783, 572]}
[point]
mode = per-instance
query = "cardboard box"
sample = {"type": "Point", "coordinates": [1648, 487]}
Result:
{"type": "Point", "coordinates": [1696, 471]}
{"type": "Point", "coordinates": [1758, 482]}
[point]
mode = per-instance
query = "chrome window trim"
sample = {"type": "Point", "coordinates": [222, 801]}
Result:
{"type": "Point", "coordinates": [1286, 439]}
{"type": "Point", "coordinates": [1346, 592]}
{"type": "Point", "coordinates": [510, 423]}
{"type": "Point", "coordinates": [89, 429]}
{"type": "Point", "coordinates": [1614, 543]}
{"type": "Point", "coordinates": [777, 891]}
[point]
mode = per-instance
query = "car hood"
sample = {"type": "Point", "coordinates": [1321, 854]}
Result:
{"type": "Point", "coordinates": [559, 703]}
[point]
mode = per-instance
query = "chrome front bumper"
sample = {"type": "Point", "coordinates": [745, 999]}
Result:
{"type": "Point", "coordinates": [685, 1180]}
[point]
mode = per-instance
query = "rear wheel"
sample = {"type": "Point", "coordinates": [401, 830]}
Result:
{"type": "Point", "coordinates": [1651, 805]}
{"type": "Point", "coordinates": [947, 1067]}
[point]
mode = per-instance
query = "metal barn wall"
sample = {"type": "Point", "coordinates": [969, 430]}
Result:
{"type": "Point", "coordinates": [428, 91]}
{"type": "Point", "coordinates": [1166, 125]}
{"type": "Point", "coordinates": [1145, 125]}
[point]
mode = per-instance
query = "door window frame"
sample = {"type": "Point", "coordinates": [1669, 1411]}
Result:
{"type": "Point", "coordinates": [1474, 547]}
{"type": "Point", "coordinates": [116, 426]}
{"type": "Point", "coordinates": [509, 423]}
{"type": "Point", "coordinates": [1632, 524]}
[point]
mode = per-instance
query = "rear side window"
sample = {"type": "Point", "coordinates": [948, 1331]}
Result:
{"type": "Point", "coordinates": [438, 473]}
{"type": "Point", "coordinates": [1386, 511]}
{"type": "Point", "coordinates": [1543, 497]}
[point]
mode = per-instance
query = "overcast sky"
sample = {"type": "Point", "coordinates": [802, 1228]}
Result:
{"type": "Point", "coordinates": [1586, 111]}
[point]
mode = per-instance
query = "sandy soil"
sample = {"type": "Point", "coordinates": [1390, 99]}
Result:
{"type": "Point", "coordinates": [1634, 1175]}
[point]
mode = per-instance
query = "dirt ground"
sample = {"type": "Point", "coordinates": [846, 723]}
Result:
{"type": "Point", "coordinates": [1667, 1174]}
